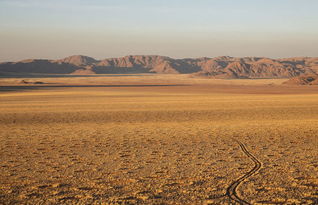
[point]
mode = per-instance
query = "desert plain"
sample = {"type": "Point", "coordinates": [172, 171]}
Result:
{"type": "Point", "coordinates": [157, 139]}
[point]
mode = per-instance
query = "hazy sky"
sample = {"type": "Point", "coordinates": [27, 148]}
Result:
{"type": "Point", "coordinates": [177, 28]}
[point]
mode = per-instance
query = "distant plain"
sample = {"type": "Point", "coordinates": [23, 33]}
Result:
{"type": "Point", "coordinates": [155, 139]}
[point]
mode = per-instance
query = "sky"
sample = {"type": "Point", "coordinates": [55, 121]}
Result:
{"type": "Point", "coordinates": [53, 29]}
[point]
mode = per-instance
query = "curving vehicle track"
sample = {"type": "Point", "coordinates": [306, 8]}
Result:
{"type": "Point", "coordinates": [231, 191]}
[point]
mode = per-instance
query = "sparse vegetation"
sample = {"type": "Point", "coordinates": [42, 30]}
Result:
{"type": "Point", "coordinates": [171, 144]}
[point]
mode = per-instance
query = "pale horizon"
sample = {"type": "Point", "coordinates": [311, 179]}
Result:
{"type": "Point", "coordinates": [34, 29]}
{"type": "Point", "coordinates": [103, 58]}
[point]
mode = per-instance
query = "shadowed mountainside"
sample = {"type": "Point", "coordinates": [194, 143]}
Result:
{"type": "Point", "coordinates": [303, 80]}
{"type": "Point", "coordinates": [219, 67]}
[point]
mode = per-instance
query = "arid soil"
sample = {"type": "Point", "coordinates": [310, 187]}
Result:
{"type": "Point", "coordinates": [185, 141]}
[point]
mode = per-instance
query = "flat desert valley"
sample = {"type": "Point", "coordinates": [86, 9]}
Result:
{"type": "Point", "coordinates": [157, 139]}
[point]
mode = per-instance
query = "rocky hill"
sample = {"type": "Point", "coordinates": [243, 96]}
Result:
{"type": "Point", "coordinates": [219, 67]}
{"type": "Point", "coordinates": [303, 80]}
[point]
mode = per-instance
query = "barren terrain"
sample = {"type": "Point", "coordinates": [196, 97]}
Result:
{"type": "Point", "coordinates": [157, 139]}
{"type": "Point", "coordinates": [223, 67]}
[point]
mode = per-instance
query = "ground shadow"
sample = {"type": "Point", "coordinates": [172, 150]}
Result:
{"type": "Point", "coordinates": [23, 87]}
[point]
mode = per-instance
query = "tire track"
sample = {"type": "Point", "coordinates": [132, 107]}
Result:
{"type": "Point", "coordinates": [231, 191]}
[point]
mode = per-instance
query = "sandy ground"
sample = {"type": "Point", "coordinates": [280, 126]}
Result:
{"type": "Point", "coordinates": [196, 141]}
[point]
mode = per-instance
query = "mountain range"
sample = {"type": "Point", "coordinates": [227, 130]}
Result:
{"type": "Point", "coordinates": [218, 67]}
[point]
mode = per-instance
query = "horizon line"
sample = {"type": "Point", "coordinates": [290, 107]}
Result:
{"type": "Point", "coordinates": [158, 55]}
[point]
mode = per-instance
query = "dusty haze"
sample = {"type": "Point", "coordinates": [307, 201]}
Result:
{"type": "Point", "coordinates": [180, 29]}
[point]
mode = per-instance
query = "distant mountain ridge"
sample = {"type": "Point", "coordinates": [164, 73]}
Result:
{"type": "Point", "coordinates": [218, 67]}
